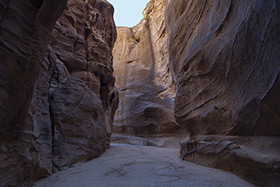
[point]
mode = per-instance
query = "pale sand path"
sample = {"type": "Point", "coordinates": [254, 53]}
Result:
{"type": "Point", "coordinates": [140, 166]}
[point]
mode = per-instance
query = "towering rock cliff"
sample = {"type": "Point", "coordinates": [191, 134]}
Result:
{"type": "Point", "coordinates": [206, 68]}
{"type": "Point", "coordinates": [73, 102]}
{"type": "Point", "coordinates": [225, 63]}
{"type": "Point", "coordinates": [143, 77]}
{"type": "Point", "coordinates": [75, 115]}
{"type": "Point", "coordinates": [222, 57]}
{"type": "Point", "coordinates": [25, 30]}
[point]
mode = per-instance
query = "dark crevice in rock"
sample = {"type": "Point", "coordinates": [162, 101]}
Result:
{"type": "Point", "coordinates": [50, 100]}
{"type": "Point", "coordinates": [37, 3]}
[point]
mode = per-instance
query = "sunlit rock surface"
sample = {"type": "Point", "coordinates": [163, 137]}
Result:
{"type": "Point", "coordinates": [143, 77]}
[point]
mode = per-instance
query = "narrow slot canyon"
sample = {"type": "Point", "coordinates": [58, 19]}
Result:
{"type": "Point", "coordinates": [189, 96]}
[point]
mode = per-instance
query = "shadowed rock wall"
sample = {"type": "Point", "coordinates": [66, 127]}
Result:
{"type": "Point", "coordinates": [224, 57]}
{"type": "Point", "coordinates": [77, 75]}
{"type": "Point", "coordinates": [25, 30]}
{"type": "Point", "coordinates": [225, 63]}
{"type": "Point", "coordinates": [71, 112]}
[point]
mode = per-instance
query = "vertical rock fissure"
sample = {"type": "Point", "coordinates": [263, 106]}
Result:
{"type": "Point", "coordinates": [52, 120]}
{"type": "Point", "coordinates": [37, 3]}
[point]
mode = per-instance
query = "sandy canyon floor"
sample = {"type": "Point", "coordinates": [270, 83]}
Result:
{"type": "Point", "coordinates": [133, 166]}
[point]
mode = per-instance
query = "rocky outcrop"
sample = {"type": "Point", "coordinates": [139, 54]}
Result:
{"type": "Point", "coordinates": [255, 159]}
{"type": "Point", "coordinates": [224, 59]}
{"type": "Point", "coordinates": [78, 78]}
{"type": "Point", "coordinates": [71, 112]}
{"type": "Point", "coordinates": [143, 77]}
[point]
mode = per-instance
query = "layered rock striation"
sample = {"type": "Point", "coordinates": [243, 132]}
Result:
{"type": "Point", "coordinates": [77, 75]}
{"type": "Point", "coordinates": [225, 62]}
{"type": "Point", "coordinates": [217, 63]}
{"type": "Point", "coordinates": [143, 77]}
{"type": "Point", "coordinates": [73, 102]}
{"type": "Point", "coordinates": [25, 30]}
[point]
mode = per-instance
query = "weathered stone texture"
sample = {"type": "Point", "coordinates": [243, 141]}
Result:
{"type": "Point", "coordinates": [143, 77]}
{"type": "Point", "coordinates": [224, 57]}
{"type": "Point", "coordinates": [25, 28]}
{"type": "Point", "coordinates": [254, 158]}
{"type": "Point", "coordinates": [225, 62]}
{"type": "Point", "coordinates": [74, 100]}
{"type": "Point", "coordinates": [81, 96]}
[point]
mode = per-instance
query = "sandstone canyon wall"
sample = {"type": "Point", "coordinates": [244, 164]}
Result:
{"type": "Point", "coordinates": [225, 64]}
{"type": "Point", "coordinates": [25, 30]}
{"type": "Point", "coordinates": [224, 57]}
{"type": "Point", "coordinates": [143, 77]}
{"type": "Point", "coordinates": [71, 109]}
{"type": "Point", "coordinates": [215, 66]}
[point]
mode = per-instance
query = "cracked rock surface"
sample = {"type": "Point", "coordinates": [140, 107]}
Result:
{"type": "Point", "coordinates": [125, 165]}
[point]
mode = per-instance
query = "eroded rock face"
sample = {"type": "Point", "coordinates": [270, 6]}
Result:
{"type": "Point", "coordinates": [143, 77]}
{"type": "Point", "coordinates": [224, 58]}
{"type": "Point", "coordinates": [74, 100]}
{"type": "Point", "coordinates": [79, 80]}
{"type": "Point", "coordinates": [255, 159]}
{"type": "Point", "coordinates": [225, 62]}
{"type": "Point", "coordinates": [25, 30]}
